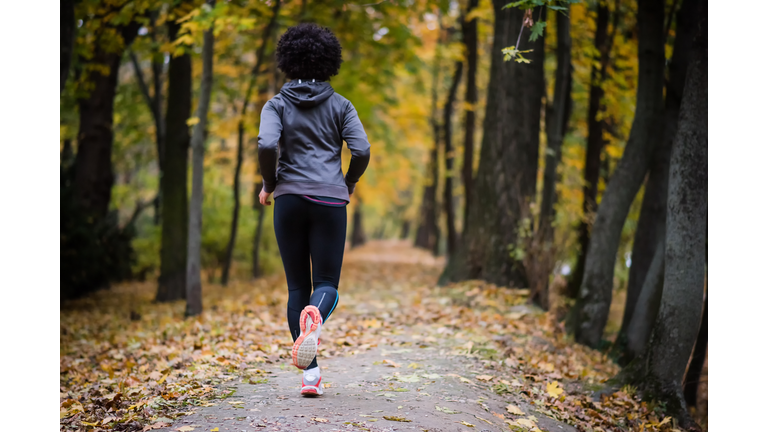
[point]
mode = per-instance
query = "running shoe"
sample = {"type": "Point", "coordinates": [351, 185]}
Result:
{"type": "Point", "coordinates": [311, 383]}
{"type": "Point", "coordinates": [305, 347]}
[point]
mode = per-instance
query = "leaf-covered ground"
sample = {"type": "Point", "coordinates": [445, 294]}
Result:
{"type": "Point", "coordinates": [128, 364]}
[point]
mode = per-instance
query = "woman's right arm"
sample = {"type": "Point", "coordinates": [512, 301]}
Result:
{"type": "Point", "coordinates": [270, 128]}
{"type": "Point", "coordinates": [357, 141]}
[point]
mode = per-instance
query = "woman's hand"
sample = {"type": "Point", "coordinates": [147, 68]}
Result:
{"type": "Point", "coordinates": [263, 197]}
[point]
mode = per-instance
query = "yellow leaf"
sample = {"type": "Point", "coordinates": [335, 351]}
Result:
{"type": "Point", "coordinates": [320, 420]}
{"type": "Point", "coordinates": [466, 424]}
{"type": "Point", "coordinates": [513, 409]}
{"type": "Point", "coordinates": [553, 389]}
{"type": "Point", "coordinates": [215, 429]}
{"type": "Point", "coordinates": [193, 121]}
{"type": "Point", "coordinates": [414, 366]}
{"type": "Point", "coordinates": [525, 423]}
{"type": "Point", "coordinates": [399, 419]}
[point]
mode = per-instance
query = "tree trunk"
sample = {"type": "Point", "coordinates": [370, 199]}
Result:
{"type": "Point", "coordinates": [652, 220]}
{"type": "Point", "coordinates": [693, 376]}
{"type": "Point", "coordinates": [557, 121]}
{"type": "Point", "coordinates": [469, 35]}
{"type": "Point", "coordinates": [428, 231]}
{"type": "Point", "coordinates": [194, 283]}
{"type": "Point", "coordinates": [595, 141]}
{"type": "Point", "coordinates": [450, 223]}
{"type": "Point", "coordinates": [405, 230]}
{"type": "Point", "coordinates": [648, 302]}
{"type": "Point", "coordinates": [157, 110]}
{"type": "Point", "coordinates": [596, 288]}
{"type": "Point", "coordinates": [506, 178]}
{"type": "Point", "coordinates": [358, 233]}
{"type": "Point", "coordinates": [236, 208]}
{"type": "Point", "coordinates": [66, 39]}
{"type": "Point", "coordinates": [255, 266]}
{"type": "Point", "coordinates": [662, 368]}
{"type": "Point", "coordinates": [93, 162]}
{"type": "Point", "coordinates": [173, 182]}
{"type": "Point", "coordinates": [255, 72]}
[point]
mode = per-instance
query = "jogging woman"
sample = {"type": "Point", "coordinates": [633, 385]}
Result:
{"type": "Point", "coordinates": [300, 140]}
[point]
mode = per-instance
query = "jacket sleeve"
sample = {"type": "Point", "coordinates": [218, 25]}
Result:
{"type": "Point", "coordinates": [270, 128]}
{"type": "Point", "coordinates": [357, 141]}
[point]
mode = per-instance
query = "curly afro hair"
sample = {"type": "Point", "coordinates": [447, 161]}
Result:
{"type": "Point", "coordinates": [308, 51]}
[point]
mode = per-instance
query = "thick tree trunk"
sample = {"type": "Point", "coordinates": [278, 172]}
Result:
{"type": "Point", "coordinates": [157, 110]}
{"type": "Point", "coordinates": [693, 376]}
{"type": "Point", "coordinates": [428, 232]}
{"type": "Point", "coordinates": [595, 141]}
{"type": "Point", "coordinates": [266, 34]}
{"type": "Point", "coordinates": [194, 283]}
{"type": "Point", "coordinates": [662, 368]}
{"type": "Point", "coordinates": [594, 299]}
{"type": "Point", "coordinates": [469, 34]}
{"type": "Point", "coordinates": [93, 177]}
{"type": "Point", "coordinates": [506, 178]}
{"type": "Point", "coordinates": [66, 39]}
{"type": "Point", "coordinates": [557, 121]}
{"type": "Point", "coordinates": [654, 208]}
{"type": "Point", "coordinates": [173, 251]}
{"type": "Point", "coordinates": [450, 215]}
{"type": "Point", "coordinates": [358, 232]}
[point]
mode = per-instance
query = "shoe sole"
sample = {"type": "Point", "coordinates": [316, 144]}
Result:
{"type": "Point", "coordinates": [305, 347]}
{"type": "Point", "coordinates": [311, 391]}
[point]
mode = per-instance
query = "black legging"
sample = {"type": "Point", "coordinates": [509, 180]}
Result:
{"type": "Point", "coordinates": [305, 231]}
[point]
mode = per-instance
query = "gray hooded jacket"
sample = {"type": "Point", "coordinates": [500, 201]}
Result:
{"type": "Point", "coordinates": [307, 122]}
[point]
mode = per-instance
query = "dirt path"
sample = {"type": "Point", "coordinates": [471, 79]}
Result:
{"type": "Point", "coordinates": [415, 378]}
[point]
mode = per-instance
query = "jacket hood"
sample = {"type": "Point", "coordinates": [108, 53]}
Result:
{"type": "Point", "coordinates": [306, 94]}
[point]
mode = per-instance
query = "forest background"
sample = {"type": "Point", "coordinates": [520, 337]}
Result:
{"type": "Point", "coordinates": [392, 55]}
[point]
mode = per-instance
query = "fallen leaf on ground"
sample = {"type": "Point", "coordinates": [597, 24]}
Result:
{"type": "Point", "coordinates": [480, 418]}
{"type": "Point", "coordinates": [466, 424]}
{"type": "Point", "coordinates": [320, 420]}
{"type": "Point", "coordinates": [216, 429]}
{"type": "Point", "coordinates": [394, 418]}
{"type": "Point", "coordinates": [390, 363]}
{"type": "Point", "coordinates": [484, 377]}
{"type": "Point", "coordinates": [446, 410]}
{"type": "Point", "coordinates": [513, 409]}
{"type": "Point", "coordinates": [553, 389]}
{"type": "Point", "coordinates": [185, 429]}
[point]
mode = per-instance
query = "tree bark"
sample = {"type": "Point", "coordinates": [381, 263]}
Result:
{"type": "Point", "coordinates": [661, 369]}
{"type": "Point", "coordinates": [450, 216]}
{"type": "Point", "coordinates": [358, 232]}
{"type": "Point", "coordinates": [93, 162]}
{"type": "Point", "coordinates": [652, 220]}
{"type": "Point", "coordinates": [557, 121]}
{"type": "Point", "coordinates": [172, 284]}
{"type": "Point", "coordinates": [648, 302]}
{"type": "Point", "coordinates": [194, 283]}
{"type": "Point", "coordinates": [506, 178]}
{"type": "Point", "coordinates": [469, 35]}
{"type": "Point", "coordinates": [595, 141]}
{"type": "Point", "coordinates": [66, 39]}
{"type": "Point", "coordinates": [255, 72]}
{"type": "Point", "coordinates": [594, 299]}
{"type": "Point", "coordinates": [255, 265]}
{"type": "Point", "coordinates": [428, 232]}
{"type": "Point", "coordinates": [693, 376]}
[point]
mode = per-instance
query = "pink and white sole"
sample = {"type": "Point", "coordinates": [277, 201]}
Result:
{"type": "Point", "coordinates": [305, 347]}
{"type": "Point", "coordinates": [312, 390]}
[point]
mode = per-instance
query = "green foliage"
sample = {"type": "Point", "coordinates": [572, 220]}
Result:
{"type": "Point", "coordinates": [537, 30]}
